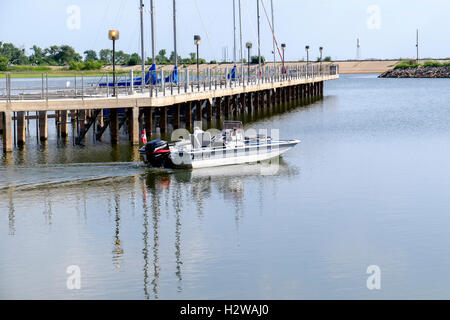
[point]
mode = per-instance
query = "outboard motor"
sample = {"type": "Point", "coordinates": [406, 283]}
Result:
{"type": "Point", "coordinates": [157, 154]}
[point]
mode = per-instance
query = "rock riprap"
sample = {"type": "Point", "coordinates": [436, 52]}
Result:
{"type": "Point", "coordinates": [420, 72]}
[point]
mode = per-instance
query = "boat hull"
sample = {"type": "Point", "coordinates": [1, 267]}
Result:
{"type": "Point", "coordinates": [226, 157]}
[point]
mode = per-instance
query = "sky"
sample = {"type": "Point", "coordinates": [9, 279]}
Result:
{"type": "Point", "coordinates": [386, 28]}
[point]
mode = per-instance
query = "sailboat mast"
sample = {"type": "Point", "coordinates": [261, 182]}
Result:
{"type": "Point", "coordinates": [152, 15]}
{"type": "Point", "coordinates": [175, 33]}
{"type": "Point", "coordinates": [273, 31]}
{"type": "Point", "coordinates": [240, 34]}
{"type": "Point", "coordinates": [142, 47]}
{"type": "Point", "coordinates": [234, 32]}
{"type": "Point", "coordinates": [259, 38]}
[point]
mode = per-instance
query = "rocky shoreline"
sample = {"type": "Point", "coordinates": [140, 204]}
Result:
{"type": "Point", "coordinates": [419, 72]}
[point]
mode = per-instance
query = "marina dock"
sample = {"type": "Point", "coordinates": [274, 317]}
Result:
{"type": "Point", "coordinates": [214, 93]}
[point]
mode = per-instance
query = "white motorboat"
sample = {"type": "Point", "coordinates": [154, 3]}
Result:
{"type": "Point", "coordinates": [201, 150]}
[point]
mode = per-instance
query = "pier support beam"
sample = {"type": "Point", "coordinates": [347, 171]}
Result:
{"type": "Point", "coordinates": [43, 125]}
{"type": "Point", "coordinates": [245, 101]}
{"type": "Point", "coordinates": [100, 121]}
{"type": "Point", "coordinates": [188, 115]}
{"type": "Point", "coordinates": [148, 121]}
{"type": "Point", "coordinates": [235, 104]}
{"type": "Point", "coordinates": [163, 119]}
{"type": "Point", "coordinates": [176, 116]}
{"type": "Point", "coordinates": [114, 125]}
{"type": "Point", "coordinates": [1, 122]}
{"type": "Point", "coordinates": [7, 131]}
{"type": "Point", "coordinates": [227, 107]}
{"type": "Point", "coordinates": [218, 104]}
{"type": "Point", "coordinates": [198, 111]}
{"type": "Point", "coordinates": [268, 101]}
{"type": "Point", "coordinates": [208, 111]}
{"type": "Point", "coordinates": [64, 126]}
{"type": "Point", "coordinates": [21, 128]}
{"type": "Point", "coordinates": [133, 123]}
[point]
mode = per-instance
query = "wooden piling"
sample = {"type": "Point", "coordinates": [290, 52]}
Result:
{"type": "Point", "coordinates": [235, 106]}
{"type": "Point", "coordinates": [218, 105]}
{"type": "Point", "coordinates": [188, 115]}
{"type": "Point", "coordinates": [7, 131]}
{"type": "Point", "coordinates": [21, 128]}
{"type": "Point", "coordinates": [208, 111]}
{"type": "Point", "coordinates": [227, 107]}
{"type": "Point", "coordinates": [133, 125]}
{"type": "Point", "coordinates": [176, 116]}
{"type": "Point", "coordinates": [1, 122]}
{"type": "Point", "coordinates": [148, 121]}
{"type": "Point", "coordinates": [100, 120]}
{"type": "Point", "coordinates": [163, 119]}
{"type": "Point", "coordinates": [43, 125]}
{"type": "Point", "coordinates": [114, 125]}
{"type": "Point", "coordinates": [64, 126]}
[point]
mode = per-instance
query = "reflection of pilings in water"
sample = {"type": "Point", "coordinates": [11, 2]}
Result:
{"type": "Point", "coordinates": [117, 252]}
{"type": "Point", "coordinates": [156, 214]}
{"type": "Point", "coordinates": [133, 196]}
{"type": "Point", "coordinates": [11, 215]}
{"type": "Point", "coordinates": [201, 189]}
{"type": "Point", "coordinates": [145, 235]}
{"type": "Point", "coordinates": [177, 197]}
{"type": "Point", "coordinates": [48, 208]}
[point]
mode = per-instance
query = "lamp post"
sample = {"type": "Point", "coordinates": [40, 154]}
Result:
{"type": "Point", "coordinates": [321, 52]}
{"type": "Point", "coordinates": [197, 41]}
{"type": "Point", "coordinates": [114, 35]}
{"type": "Point", "coordinates": [283, 47]}
{"type": "Point", "coordinates": [307, 54]}
{"type": "Point", "coordinates": [249, 46]}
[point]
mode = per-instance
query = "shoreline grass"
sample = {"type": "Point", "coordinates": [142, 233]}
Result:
{"type": "Point", "coordinates": [406, 64]}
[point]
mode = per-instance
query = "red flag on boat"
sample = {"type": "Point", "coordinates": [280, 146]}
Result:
{"type": "Point", "coordinates": [144, 137]}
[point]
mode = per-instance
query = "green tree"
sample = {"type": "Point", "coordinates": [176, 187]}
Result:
{"type": "Point", "coordinates": [254, 59]}
{"type": "Point", "coordinates": [37, 57]}
{"type": "Point", "coordinates": [149, 61]}
{"type": "Point", "coordinates": [122, 57]}
{"type": "Point", "coordinates": [135, 59]}
{"type": "Point", "coordinates": [62, 55]}
{"type": "Point", "coordinates": [172, 57]}
{"type": "Point", "coordinates": [161, 57]}
{"type": "Point", "coordinates": [327, 58]}
{"type": "Point", "coordinates": [4, 63]}
{"type": "Point", "coordinates": [90, 55]}
{"type": "Point", "coordinates": [13, 54]}
{"type": "Point", "coordinates": [106, 56]}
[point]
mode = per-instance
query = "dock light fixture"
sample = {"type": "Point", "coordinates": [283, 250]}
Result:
{"type": "Point", "coordinates": [114, 35]}
{"type": "Point", "coordinates": [283, 47]}
{"type": "Point", "coordinates": [321, 52]}
{"type": "Point", "coordinates": [197, 41]}
{"type": "Point", "coordinates": [307, 54]}
{"type": "Point", "coordinates": [249, 47]}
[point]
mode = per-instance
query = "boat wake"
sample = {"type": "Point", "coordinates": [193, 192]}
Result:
{"type": "Point", "coordinates": [32, 177]}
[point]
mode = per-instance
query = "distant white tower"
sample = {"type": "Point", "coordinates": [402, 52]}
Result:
{"type": "Point", "coordinates": [358, 49]}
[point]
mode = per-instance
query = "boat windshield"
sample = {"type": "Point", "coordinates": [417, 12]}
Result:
{"type": "Point", "coordinates": [232, 125]}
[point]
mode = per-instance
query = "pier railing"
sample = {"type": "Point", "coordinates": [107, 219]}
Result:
{"type": "Point", "coordinates": [80, 85]}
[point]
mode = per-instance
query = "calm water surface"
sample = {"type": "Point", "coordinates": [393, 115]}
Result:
{"type": "Point", "coordinates": [369, 185]}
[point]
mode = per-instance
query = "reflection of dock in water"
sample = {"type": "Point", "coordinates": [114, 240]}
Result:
{"type": "Point", "coordinates": [142, 197]}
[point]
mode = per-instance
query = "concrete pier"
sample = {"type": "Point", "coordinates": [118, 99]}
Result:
{"type": "Point", "coordinates": [43, 125]}
{"type": "Point", "coordinates": [21, 128]}
{"type": "Point", "coordinates": [7, 132]}
{"type": "Point", "coordinates": [133, 123]}
{"type": "Point", "coordinates": [114, 125]}
{"type": "Point", "coordinates": [64, 123]}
